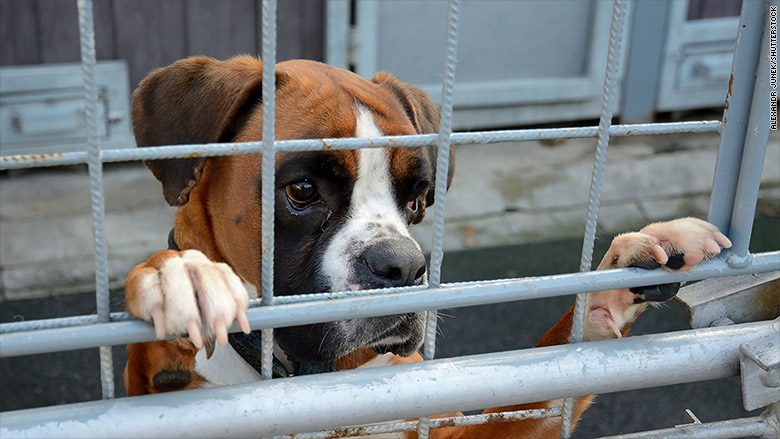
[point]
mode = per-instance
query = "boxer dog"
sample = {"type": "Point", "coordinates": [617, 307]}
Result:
{"type": "Point", "coordinates": [342, 223]}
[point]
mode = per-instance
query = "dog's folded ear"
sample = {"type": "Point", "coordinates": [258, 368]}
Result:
{"type": "Point", "coordinates": [423, 113]}
{"type": "Point", "coordinates": [418, 106]}
{"type": "Point", "coordinates": [194, 100]}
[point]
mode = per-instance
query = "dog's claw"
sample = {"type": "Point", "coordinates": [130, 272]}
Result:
{"type": "Point", "coordinates": [243, 321]}
{"type": "Point", "coordinates": [220, 331]}
{"type": "Point", "coordinates": [614, 329]}
{"type": "Point", "coordinates": [158, 318]}
{"type": "Point", "coordinates": [721, 240]}
{"type": "Point", "coordinates": [659, 254]}
{"type": "Point", "coordinates": [194, 332]}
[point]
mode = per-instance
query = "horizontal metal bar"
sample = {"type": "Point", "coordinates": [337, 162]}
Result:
{"type": "Point", "coordinates": [67, 322]}
{"type": "Point", "coordinates": [61, 322]}
{"type": "Point", "coordinates": [448, 296]}
{"type": "Point", "coordinates": [440, 386]}
{"type": "Point", "coordinates": [450, 421]}
{"type": "Point", "coordinates": [91, 319]}
{"type": "Point", "coordinates": [64, 322]}
{"type": "Point", "coordinates": [735, 428]}
{"type": "Point", "coordinates": [225, 149]}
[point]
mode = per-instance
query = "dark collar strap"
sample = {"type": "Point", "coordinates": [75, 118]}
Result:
{"type": "Point", "coordinates": [172, 242]}
{"type": "Point", "coordinates": [313, 367]}
{"type": "Point", "coordinates": [249, 347]}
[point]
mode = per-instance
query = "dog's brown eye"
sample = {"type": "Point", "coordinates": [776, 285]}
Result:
{"type": "Point", "coordinates": [301, 193]}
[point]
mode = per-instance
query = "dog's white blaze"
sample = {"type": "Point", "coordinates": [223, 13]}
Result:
{"type": "Point", "coordinates": [373, 210]}
{"type": "Point", "coordinates": [226, 367]}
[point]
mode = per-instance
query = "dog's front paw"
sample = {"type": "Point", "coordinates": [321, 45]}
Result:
{"type": "Point", "coordinates": [687, 241]}
{"type": "Point", "coordinates": [183, 292]}
{"type": "Point", "coordinates": [675, 245]}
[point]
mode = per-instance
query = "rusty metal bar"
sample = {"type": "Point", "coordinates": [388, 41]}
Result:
{"type": "Point", "coordinates": [450, 421]}
{"type": "Point", "coordinates": [335, 399]}
{"type": "Point", "coordinates": [482, 137]}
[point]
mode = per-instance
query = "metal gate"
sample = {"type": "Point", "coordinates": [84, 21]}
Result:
{"type": "Point", "coordinates": [332, 401]}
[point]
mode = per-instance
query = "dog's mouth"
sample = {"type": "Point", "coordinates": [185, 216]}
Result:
{"type": "Point", "coordinates": [400, 334]}
{"type": "Point", "coordinates": [403, 338]}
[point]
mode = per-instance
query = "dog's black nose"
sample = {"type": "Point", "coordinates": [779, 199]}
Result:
{"type": "Point", "coordinates": [393, 263]}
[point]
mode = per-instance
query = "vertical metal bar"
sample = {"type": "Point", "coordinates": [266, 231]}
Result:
{"type": "Point", "coordinates": [95, 165]}
{"type": "Point", "coordinates": [443, 143]}
{"type": "Point", "coordinates": [366, 21]}
{"type": "Point", "coordinates": [440, 190]}
{"type": "Point", "coordinates": [644, 60]}
{"type": "Point", "coordinates": [268, 178]}
{"type": "Point", "coordinates": [735, 115]}
{"type": "Point", "coordinates": [756, 139]}
{"type": "Point", "coordinates": [605, 121]}
{"type": "Point", "coordinates": [337, 31]}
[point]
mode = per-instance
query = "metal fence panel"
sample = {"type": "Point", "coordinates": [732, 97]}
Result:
{"type": "Point", "coordinates": [351, 397]}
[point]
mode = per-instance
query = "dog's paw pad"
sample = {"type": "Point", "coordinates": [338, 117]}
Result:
{"type": "Point", "coordinates": [655, 293]}
{"type": "Point", "coordinates": [649, 264]}
{"type": "Point", "coordinates": [676, 261]}
{"type": "Point", "coordinates": [172, 379]}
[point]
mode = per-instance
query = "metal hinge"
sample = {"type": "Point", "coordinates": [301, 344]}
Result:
{"type": "Point", "coordinates": [759, 362]}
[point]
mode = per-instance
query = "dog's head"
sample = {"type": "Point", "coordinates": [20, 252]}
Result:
{"type": "Point", "coordinates": [342, 217]}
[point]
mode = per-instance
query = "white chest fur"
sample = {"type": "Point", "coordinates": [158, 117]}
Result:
{"type": "Point", "coordinates": [225, 367]}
